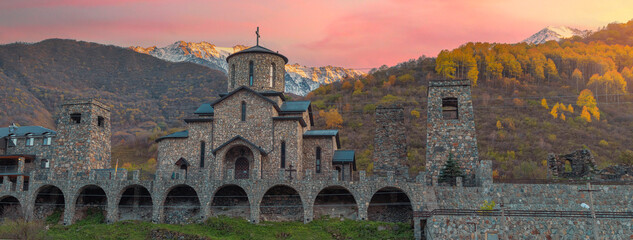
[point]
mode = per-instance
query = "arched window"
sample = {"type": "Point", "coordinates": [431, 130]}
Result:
{"type": "Point", "coordinates": [449, 108]}
{"type": "Point", "coordinates": [45, 163]}
{"type": "Point", "coordinates": [272, 74]}
{"type": "Point", "coordinates": [243, 111]}
{"type": "Point", "coordinates": [232, 75]}
{"type": "Point", "coordinates": [283, 154]}
{"type": "Point", "coordinates": [318, 160]}
{"type": "Point", "coordinates": [202, 143]}
{"type": "Point", "coordinates": [29, 139]}
{"type": "Point", "coordinates": [250, 73]}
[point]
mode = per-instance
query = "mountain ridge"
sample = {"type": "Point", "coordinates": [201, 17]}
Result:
{"type": "Point", "coordinates": [555, 33]}
{"type": "Point", "coordinates": [300, 79]}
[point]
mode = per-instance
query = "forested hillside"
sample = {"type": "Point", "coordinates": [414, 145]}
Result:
{"type": "Point", "coordinates": [527, 101]}
{"type": "Point", "coordinates": [145, 93]}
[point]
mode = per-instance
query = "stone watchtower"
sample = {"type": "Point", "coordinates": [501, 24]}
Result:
{"type": "Point", "coordinates": [390, 143]}
{"type": "Point", "coordinates": [450, 127]}
{"type": "Point", "coordinates": [83, 136]}
{"type": "Point", "coordinates": [258, 68]}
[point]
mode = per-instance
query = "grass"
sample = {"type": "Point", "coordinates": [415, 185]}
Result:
{"type": "Point", "coordinates": [233, 228]}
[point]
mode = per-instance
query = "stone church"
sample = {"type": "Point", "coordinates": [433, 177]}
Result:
{"type": "Point", "coordinates": [253, 132]}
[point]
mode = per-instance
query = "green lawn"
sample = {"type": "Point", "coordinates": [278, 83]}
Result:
{"type": "Point", "coordinates": [220, 228]}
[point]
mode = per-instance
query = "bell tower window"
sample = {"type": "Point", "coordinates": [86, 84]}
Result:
{"type": "Point", "coordinates": [283, 154]}
{"type": "Point", "coordinates": [449, 108]}
{"type": "Point", "coordinates": [75, 118]}
{"type": "Point", "coordinates": [232, 75]}
{"type": "Point", "coordinates": [250, 73]}
{"type": "Point", "coordinates": [272, 74]}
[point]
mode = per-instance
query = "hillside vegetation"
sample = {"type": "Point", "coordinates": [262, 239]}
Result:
{"type": "Point", "coordinates": [527, 101]}
{"type": "Point", "coordinates": [144, 92]}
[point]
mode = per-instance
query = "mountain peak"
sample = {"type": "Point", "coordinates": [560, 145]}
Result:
{"type": "Point", "coordinates": [555, 33]}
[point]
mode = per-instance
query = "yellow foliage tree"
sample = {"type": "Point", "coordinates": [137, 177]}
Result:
{"type": "Point", "coordinates": [554, 111]}
{"type": "Point", "coordinates": [544, 103]}
{"type": "Point", "coordinates": [347, 85]}
{"type": "Point", "coordinates": [562, 117]}
{"type": "Point", "coordinates": [499, 125]}
{"type": "Point", "coordinates": [333, 119]}
{"type": "Point", "coordinates": [570, 108]}
{"type": "Point", "coordinates": [586, 100]}
{"type": "Point", "coordinates": [358, 86]}
{"type": "Point", "coordinates": [585, 114]}
{"type": "Point", "coordinates": [415, 113]}
{"type": "Point", "coordinates": [595, 113]}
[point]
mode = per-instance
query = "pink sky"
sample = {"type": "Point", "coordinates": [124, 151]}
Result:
{"type": "Point", "coordinates": [349, 33]}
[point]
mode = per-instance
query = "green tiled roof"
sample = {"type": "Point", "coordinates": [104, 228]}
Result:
{"type": "Point", "coordinates": [182, 134]}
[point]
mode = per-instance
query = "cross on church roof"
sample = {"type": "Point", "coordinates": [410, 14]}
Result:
{"type": "Point", "coordinates": [257, 33]}
{"type": "Point", "coordinates": [290, 170]}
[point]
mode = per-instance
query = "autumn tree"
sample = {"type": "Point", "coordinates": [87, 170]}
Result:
{"type": "Point", "coordinates": [585, 114]}
{"type": "Point", "coordinates": [577, 77]}
{"type": "Point", "coordinates": [358, 86]}
{"type": "Point", "coordinates": [333, 119]}
{"type": "Point", "coordinates": [346, 85]}
{"type": "Point", "coordinates": [544, 103]}
{"type": "Point", "coordinates": [444, 65]}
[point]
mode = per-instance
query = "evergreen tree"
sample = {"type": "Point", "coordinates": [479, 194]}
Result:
{"type": "Point", "coordinates": [451, 171]}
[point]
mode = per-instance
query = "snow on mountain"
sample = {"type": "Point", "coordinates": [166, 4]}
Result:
{"type": "Point", "coordinates": [300, 80]}
{"type": "Point", "coordinates": [555, 33]}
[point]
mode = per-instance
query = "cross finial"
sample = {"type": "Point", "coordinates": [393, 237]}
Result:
{"type": "Point", "coordinates": [257, 33]}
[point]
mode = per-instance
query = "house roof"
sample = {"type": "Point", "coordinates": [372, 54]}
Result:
{"type": "Point", "coordinates": [324, 133]}
{"type": "Point", "coordinates": [204, 109]}
{"type": "Point", "coordinates": [257, 49]}
{"type": "Point", "coordinates": [181, 134]}
{"type": "Point", "coordinates": [23, 130]}
{"type": "Point", "coordinates": [344, 156]}
{"type": "Point", "coordinates": [295, 106]}
{"type": "Point", "coordinates": [238, 137]}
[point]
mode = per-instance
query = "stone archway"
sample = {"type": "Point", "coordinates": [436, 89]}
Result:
{"type": "Point", "coordinates": [49, 204]}
{"type": "Point", "coordinates": [135, 204]}
{"type": "Point", "coordinates": [232, 201]}
{"type": "Point", "coordinates": [10, 208]}
{"type": "Point", "coordinates": [91, 201]}
{"type": "Point", "coordinates": [281, 203]}
{"type": "Point", "coordinates": [390, 204]}
{"type": "Point", "coordinates": [181, 205]}
{"type": "Point", "coordinates": [240, 160]}
{"type": "Point", "coordinates": [335, 202]}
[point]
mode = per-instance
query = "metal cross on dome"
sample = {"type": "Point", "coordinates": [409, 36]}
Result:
{"type": "Point", "coordinates": [257, 33]}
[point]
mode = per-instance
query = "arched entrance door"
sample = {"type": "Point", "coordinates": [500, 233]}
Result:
{"type": "Point", "coordinates": [241, 168]}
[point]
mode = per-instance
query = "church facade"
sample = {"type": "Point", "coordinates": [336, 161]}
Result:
{"type": "Point", "coordinates": [253, 132]}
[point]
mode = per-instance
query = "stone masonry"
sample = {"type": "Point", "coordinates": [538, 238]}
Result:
{"type": "Point", "coordinates": [390, 145]}
{"type": "Point", "coordinates": [447, 136]}
{"type": "Point", "coordinates": [256, 146]}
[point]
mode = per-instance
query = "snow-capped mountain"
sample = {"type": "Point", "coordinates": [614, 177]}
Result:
{"type": "Point", "coordinates": [300, 80]}
{"type": "Point", "coordinates": [555, 33]}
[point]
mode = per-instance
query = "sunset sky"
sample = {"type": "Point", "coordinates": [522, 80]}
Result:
{"type": "Point", "coordinates": [348, 33]}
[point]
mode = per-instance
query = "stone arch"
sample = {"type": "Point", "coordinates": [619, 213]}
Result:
{"type": "Point", "coordinates": [241, 160]}
{"type": "Point", "coordinates": [10, 207]}
{"type": "Point", "coordinates": [390, 204]}
{"type": "Point", "coordinates": [135, 203]}
{"type": "Point", "coordinates": [49, 201]}
{"type": "Point", "coordinates": [281, 203]}
{"type": "Point", "coordinates": [336, 202]}
{"type": "Point", "coordinates": [90, 199]}
{"type": "Point", "coordinates": [181, 204]}
{"type": "Point", "coordinates": [230, 200]}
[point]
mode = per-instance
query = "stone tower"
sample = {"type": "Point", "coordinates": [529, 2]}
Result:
{"type": "Point", "coordinates": [390, 143]}
{"type": "Point", "coordinates": [83, 136]}
{"type": "Point", "coordinates": [450, 127]}
{"type": "Point", "coordinates": [258, 68]}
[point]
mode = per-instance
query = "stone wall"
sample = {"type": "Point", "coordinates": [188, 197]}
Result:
{"type": "Point", "coordinates": [552, 197]}
{"type": "Point", "coordinates": [390, 142]}
{"type": "Point", "coordinates": [463, 227]}
{"type": "Point", "coordinates": [454, 137]}
{"type": "Point", "coordinates": [85, 145]}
